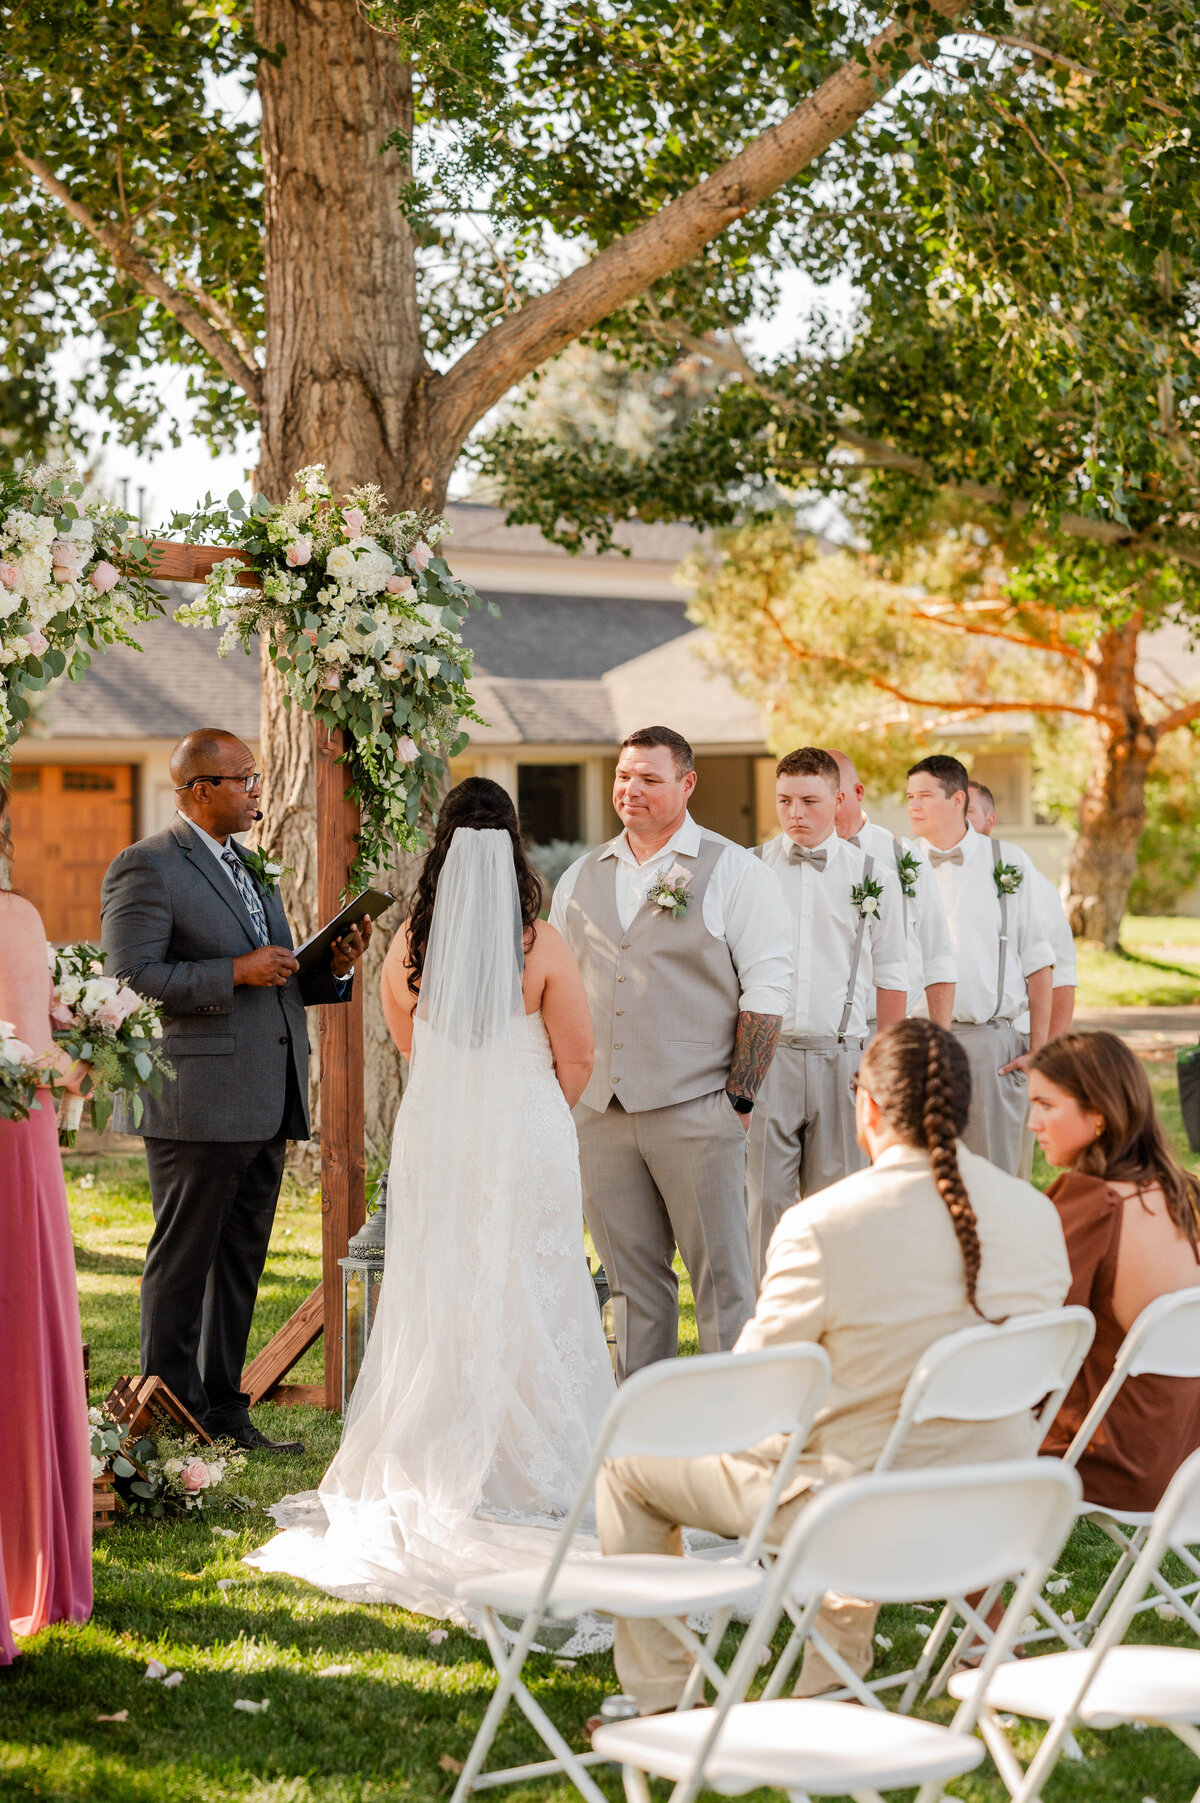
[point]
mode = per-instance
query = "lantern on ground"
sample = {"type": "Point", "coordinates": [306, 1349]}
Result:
{"type": "Point", "coordinates": [362, 1276]}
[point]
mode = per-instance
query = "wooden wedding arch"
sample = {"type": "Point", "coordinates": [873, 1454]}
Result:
{"type": "Point", "coordinates": [343, 1152]}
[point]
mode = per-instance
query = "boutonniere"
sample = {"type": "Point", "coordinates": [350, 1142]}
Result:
{"type": "Point", "coordinates": [672, 889]}
{"type": "Point", "coordinates": [265, 871]}
{"type": "Point", "coordinates": [907, 866]}
{"type": "Point", "coordinates": [1009, 878]}
{"type": "Point", "coordinates": [866, 896]}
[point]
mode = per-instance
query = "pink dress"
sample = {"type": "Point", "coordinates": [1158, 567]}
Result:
{"type": "Point", "coordinates": [45, 1467]}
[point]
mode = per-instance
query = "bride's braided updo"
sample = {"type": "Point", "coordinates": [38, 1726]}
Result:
{"type": "Point", "coordinates": [918, 1075]}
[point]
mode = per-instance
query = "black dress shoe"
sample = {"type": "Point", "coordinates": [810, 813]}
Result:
{"type": "Point", "coordinates": [248, 1437]}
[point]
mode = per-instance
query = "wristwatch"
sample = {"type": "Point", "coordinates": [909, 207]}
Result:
{"type": "Point", "coordinates": [743, 1104]}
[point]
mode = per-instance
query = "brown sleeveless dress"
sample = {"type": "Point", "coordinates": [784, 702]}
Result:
{"type": "Point", "coordinates": [1154, 1422]}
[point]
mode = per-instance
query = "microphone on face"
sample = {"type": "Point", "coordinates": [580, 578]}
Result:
{"type": "Point", "coordinates": [258, 814]}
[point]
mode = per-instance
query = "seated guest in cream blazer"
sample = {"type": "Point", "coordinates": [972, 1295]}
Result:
{"type": "Point", "coordinates": [930, 1239]}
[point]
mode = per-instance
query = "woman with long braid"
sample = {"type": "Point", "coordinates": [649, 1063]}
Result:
{"type": "Point", "coordinates": [928, 1240]}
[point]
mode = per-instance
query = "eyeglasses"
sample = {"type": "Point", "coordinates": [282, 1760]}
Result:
{"type": "Point", "coordinates": [253, 781]}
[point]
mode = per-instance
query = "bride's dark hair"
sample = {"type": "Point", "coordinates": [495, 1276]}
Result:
{"type": "Point", "coordinates": [478, 803]}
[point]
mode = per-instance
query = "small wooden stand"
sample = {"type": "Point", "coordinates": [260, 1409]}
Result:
{"type": "Point", "coordinates": [104, 1503]}
{"type": "Point", "coordinates": [144, 1405]}
{"type": "Point", "coordinates": [343, 1153]}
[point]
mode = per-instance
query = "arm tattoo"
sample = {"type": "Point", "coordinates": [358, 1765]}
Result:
{"type": "Point", "coordinates": [753, 1050]}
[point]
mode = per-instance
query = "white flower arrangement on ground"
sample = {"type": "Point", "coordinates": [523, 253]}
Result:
{"type": "Point", "coordinates": [160, 1476]}
{"type": "Point", "coordinates": [20, 1076]}
{"type": "Point", "coordinates": [108, 1026]}
{"type": "Point", "coordinates": [361, 619]}
{"type": "Point", "coordinates": [69, 581]}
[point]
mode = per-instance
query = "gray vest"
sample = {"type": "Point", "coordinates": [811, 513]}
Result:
{"type": "Point", "coordinates": [663, 995]}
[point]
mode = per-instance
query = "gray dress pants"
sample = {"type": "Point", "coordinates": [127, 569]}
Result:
{"type": "Point", "coordinates": [655, 1180]}
{"type": "Point", "coordinates": [996, 1124]}
{"type": "Point", "coordinates": [801, 1132]}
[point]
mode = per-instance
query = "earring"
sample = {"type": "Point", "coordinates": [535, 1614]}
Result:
{"type": "Point", "coordinates": [1101, 1126]}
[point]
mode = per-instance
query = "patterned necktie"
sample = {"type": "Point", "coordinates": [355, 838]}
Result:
{"type": "Point", "coordinates": [249, 893]}
{"type": "Point", "coordinates": [802, 854]}
{"type": "Point", "coordinates": [945, 857]}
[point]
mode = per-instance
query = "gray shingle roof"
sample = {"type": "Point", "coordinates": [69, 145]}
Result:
{"type": "Point", "coordinates": [573, 638]}
{"type": "Point", "coordinates": [174, 684]}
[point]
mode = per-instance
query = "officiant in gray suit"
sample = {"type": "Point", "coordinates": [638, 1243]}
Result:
{"type": "Point", "coordinates": [684, 944]}
{"type": "Point", "coordinates": [189, 919]}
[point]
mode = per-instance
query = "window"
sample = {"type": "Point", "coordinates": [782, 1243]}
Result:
{"type": "Point", "coordinates": [77, 781]}
{"type": "Point", "coordinates": [550, 802]}
{"type": "Point", "coordinates": [26, 781]}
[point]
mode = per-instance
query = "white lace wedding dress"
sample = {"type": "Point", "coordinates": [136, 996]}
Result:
{"type": "Point", "coordinates": [487, 1374]}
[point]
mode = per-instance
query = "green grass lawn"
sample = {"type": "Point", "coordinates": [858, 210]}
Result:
{"type": "Point", "coordinates": [1158, 965]}
{"type": "Point", "coordinates": [394, 1724]}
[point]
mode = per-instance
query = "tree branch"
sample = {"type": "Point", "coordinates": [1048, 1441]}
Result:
{"type": "Point", "coordinates": [962, 710]}
{"type": "Point", "coordinates": [123, 250]}
{"type": "Point", "coordinates": [1038, 50]}
{"type": "Point", "coordinates": [673, 235]}
{"type": "Point", "coordinates": [1180, 716]}
{"type": "Point", "coordinates": [1010, 638]}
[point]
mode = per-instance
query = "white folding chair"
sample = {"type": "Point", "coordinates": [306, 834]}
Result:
{"type": "Point", "coordinates": [1164, 1340]}
{"type": "Point", "coordinates": [1107, 1684]}
{"type": "Point", "coordinates": [681, 1408]}
{"type": "Point", "coordinates": [897, 1536]}
{"type": "Point", "coordinates": [982, 1373]}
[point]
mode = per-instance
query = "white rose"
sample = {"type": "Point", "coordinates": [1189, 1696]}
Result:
{"type": "Point", "coordinates": [340, 561]}
{"type": "Point", "coordinates": [82, 529]}
{"type": "Point", "coordinates": [98, 1468]}
{"type": "Point", "coordinates": [70, 989]}
{"type": "Point", "coordinates": [98, 991]}
{"type": "Point", "coordinates": [870, 904]}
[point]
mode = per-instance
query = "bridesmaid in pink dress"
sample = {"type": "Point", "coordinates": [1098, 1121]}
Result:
{"type": "Point", "coordinates": [45, 1467]}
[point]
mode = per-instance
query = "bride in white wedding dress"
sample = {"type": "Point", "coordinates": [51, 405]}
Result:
{"type": "Point", "coordinates": [487, 1374]}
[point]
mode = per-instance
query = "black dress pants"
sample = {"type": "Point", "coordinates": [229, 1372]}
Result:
{"type": "Point", "coordinates": [214, 1207]}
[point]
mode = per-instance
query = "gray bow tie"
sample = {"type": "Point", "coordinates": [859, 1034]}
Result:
{"type": "Point", "coordinates": [945, 857]}
{"type": "Point", "coordinates": [854, 840]}
{"type": "Point", "coordinates": [802, 854]}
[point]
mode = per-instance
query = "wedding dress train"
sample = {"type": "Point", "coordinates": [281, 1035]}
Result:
{"type": "Point", "coordinates": [487, 1374]}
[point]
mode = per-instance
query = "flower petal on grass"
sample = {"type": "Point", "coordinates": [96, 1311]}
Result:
{"type": "Point", "coordinates": [437, 1635]}
{"type": "Point", "coordinates": [336, 1671]}
{"type": "Point", "coordinates": [172, 1681]}
{"type": "Point", "coordinates": [155, 1669]}
{"type": "Point", "coordinates": [249, 1708]}
{"type": "Point", "coordinates": [448, 1763]}
{"type": "Point", "coordinates": [122, 1715]}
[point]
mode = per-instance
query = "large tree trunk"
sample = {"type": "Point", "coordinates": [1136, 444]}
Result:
{"type": "Point", "coordinates": [1112, 812]}
{"type": "Point", "coordinates": [345, 379]}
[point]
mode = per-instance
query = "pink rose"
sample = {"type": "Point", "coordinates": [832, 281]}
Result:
{"type": "Point", "coordinates": [128, 1000]}
{"type": "Point", "coordinates": [65, 572]}
{"type": "Point", "coordinates": [355, 520]}
{"type": "Point", "coordinates": [407, 749]}
{"type": "Point", "coordinates": [332, 679]}
{"type": "Point", "coordinates": [37, 641]}
{"type": "Point", "coordinates": [420, 555]}
{"type": "Point", "coordinates": [10, 575]}
{"type": "Point", "coordinates": [399, 585]}
{"type": "Point", "coordinates": [299, 553]}
{"type": "Point", "coordinates": [104, 577]}
{"type": "Point", "coordinates": [194, 1476]}
{"type": "Point", "coordinates": [66, 551]}
{"type": "Point", "coordinates": [110, 1014]}
{"type": "Point", "coordinates": [60, 1014]}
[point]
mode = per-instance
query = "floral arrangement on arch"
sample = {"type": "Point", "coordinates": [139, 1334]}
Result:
{"type": "Point", "coordinates": [160, 1476]}
{"type": "Point", "coordinates": [108, 1026]}
{"type": "Point", "coordinates": [20, 1076]}
{"type": "Point", "coordinates": [70, 581]}
{"type": "Point", "coordinates": [362, 621]}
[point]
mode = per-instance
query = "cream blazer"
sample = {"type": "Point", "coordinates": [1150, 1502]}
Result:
{"type": "Point", "coordinates": [872, 1271]}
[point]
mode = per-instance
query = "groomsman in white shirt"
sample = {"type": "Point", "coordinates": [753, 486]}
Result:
{"type": "Point", "coordinates": [931, 968]}
{"type": "Point", "coordinates": [847, 919]}
{"type": "Point", "coordinates": [1003, 956]}
{"type": "Point", "coordinates": [981, 812]}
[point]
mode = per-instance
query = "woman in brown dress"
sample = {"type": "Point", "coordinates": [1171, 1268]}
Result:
{"type": "Point", "coordinates": [1131, 1217]}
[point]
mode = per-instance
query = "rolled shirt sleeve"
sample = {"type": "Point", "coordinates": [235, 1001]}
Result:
{"type": "Point", "coordinates": [889, 943]}
{"type": "Point", "coordinates": [1028, 930]}
{"type": "Point", "coordinates": [757, 931]}
{"type": "Point", "coordinates": [933, 935]}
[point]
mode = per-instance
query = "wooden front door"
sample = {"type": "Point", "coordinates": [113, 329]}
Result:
{"type": "Point", "coordinates": [69, 821]}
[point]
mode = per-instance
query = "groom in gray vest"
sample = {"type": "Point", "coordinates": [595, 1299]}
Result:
{"type": "Point", "coordinates": [684, 945]}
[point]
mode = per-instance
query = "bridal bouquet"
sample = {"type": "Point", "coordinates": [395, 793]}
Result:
{"type": "Point", "coordinates": [68, 581]}
{"type": "Point", "coordinates": [108, 1026]}
{"type": "Point", "coordinates": [20, 1077]}
{"type": "Point", "coordinates": [361, 618]}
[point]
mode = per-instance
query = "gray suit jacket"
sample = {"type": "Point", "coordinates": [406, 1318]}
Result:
{"type": "Point", "coordinates": [171, 925]}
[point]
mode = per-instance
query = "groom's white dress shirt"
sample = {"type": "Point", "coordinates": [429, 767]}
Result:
{"type": "Point", "coordinates": [742, 906]}
{"type": "Point", "coordinates": [970, 899]}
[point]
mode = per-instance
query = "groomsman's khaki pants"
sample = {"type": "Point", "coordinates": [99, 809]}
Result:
{"type": "Point", "coordinates": [996, 1124]}
{"type": "Point", "coordinates": [655, 1180]}
{"type": "Point", "coordinates": [640, 1504]}
{"type": "Point", "coordinates": [801, 1131]}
